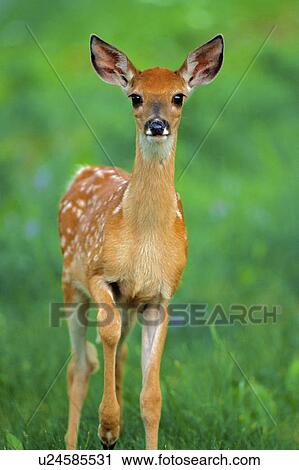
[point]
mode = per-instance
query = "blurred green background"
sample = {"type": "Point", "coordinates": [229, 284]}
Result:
{"type": "Point", "coordinates": [240, 198]}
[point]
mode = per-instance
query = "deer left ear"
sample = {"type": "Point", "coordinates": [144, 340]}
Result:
{"type": "Point", "coordinates": [203, 64]}
{"type": "Point", "coordinates": [112, 65]}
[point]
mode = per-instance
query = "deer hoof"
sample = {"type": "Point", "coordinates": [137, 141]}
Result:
{"type": "Point", "coordinates": [107, 446]}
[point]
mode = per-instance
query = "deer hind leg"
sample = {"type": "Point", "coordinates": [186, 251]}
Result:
{"type": "Point", "coordinates": [84, 361]}
{"type": "Point", "coordinates": [109, 319]}
{"type": "Point", "coordinates": [154, 331]}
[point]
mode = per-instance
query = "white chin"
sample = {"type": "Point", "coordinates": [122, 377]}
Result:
{"type": "Point", "coordinates": [156, 138]}
{"type": "Point", "coordinates": [153, 147]}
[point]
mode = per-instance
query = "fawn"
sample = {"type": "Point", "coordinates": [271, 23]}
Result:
{"type": "Point", "coordinates": [123, 239]}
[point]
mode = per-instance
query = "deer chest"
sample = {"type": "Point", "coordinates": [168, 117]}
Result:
{"type": "Point", "coordinates": [147, 269]}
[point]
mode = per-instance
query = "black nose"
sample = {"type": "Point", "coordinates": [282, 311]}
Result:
{"type": "Point", "coordinates": [156, 127]}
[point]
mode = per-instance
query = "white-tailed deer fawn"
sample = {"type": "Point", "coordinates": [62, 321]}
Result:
{"type": "Point", "coordinates": [124, 241]}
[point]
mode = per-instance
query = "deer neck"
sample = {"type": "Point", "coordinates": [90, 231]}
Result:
{"type": "Point", "coordinates": [150, 199]}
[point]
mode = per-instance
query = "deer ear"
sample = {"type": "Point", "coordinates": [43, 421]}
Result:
{"type": "Point", "coordinates": [203, 64]}
{"type": "Point", "coordinates": [112, 65]}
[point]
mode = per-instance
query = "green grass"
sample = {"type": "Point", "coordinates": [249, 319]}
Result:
{"type": "Point", "coordinates": [240, 200]}
{"type": "Point", "coordinates": [207, 401]}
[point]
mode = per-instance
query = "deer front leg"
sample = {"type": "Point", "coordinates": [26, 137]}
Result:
{"type": "Point", "coordinates": [128, 321]}
{"type": "Point", "coordinates": [121, 356]}
{"type": "Point", "coordinates": [109, 324]}
{"type": "Point", "coordinates": [154, 331]}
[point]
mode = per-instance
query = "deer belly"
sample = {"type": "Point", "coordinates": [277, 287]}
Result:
{"type": "Point", "coordinates": [143, 289]}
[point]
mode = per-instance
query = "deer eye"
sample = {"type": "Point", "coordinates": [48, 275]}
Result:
{"type": "Point", "coordinates": [136, 100]}
{"type": "Point", "coordinates": [178, 99]}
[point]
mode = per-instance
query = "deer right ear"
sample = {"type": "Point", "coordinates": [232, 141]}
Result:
{"type": "Point", "coordinates": [112, 65]}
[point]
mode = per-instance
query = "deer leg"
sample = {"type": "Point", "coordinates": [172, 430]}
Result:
{"type": "Point", "coordinates": [83, 363]}
{"type": "Point", "coordinates": [154, 331]}
{"type": "Point", "coordinates": [109, 325]}
{"type": "Point", "coordinates": [121, 356]}
{"type": "Point", "coordinates": [128, 320]}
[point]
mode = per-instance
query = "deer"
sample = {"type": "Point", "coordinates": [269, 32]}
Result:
{"type": "Point", "coordinates": [124, 242]}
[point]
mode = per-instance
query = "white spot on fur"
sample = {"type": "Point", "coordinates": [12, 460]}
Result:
{"type": "Point", "coordinates": [81, 203]}
{"type": "Point", "coordinates": [66, 207]}
{"type": "Point", "coordinates": [117, 209]}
